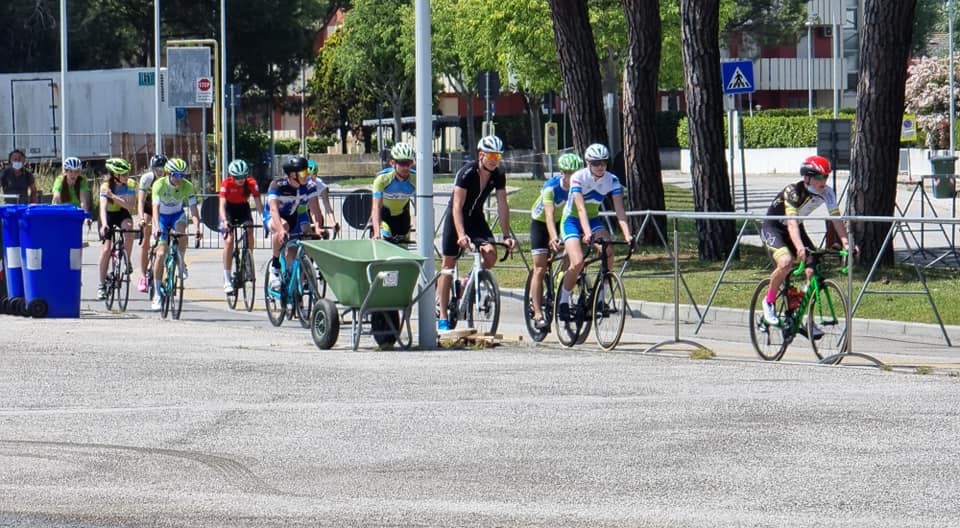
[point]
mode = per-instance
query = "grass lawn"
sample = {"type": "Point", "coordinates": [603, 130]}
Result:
{"type": "Point", "coordinates": [650, 274]}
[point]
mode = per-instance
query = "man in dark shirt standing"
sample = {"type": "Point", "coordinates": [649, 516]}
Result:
{"type": "Point", "coordinates": [16, 179]}
{"type": "Point", "coordinates": [465, 218]}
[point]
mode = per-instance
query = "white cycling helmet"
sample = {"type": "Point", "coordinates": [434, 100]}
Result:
{"type": "Point", "coordinates": [490, 144]}
{"type": "Point", "coordinates": [596, 152]}
{"type": "Point", "coordinates": [238, 167]}
{"type": "Point", "coordinates": [72, 164]}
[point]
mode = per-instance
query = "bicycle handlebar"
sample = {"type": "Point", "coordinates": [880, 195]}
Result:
{"type": "Point", "coordinates": [817, 254]}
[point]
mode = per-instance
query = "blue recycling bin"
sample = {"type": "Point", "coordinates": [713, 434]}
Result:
{"type": "Point", "coordinates": [10, 217]}
{"type": "Point", "coordinates": [51, 238]}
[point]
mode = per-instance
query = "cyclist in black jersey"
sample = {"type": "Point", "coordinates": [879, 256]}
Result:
{"type": "Point", "coordinates": [465, 218]}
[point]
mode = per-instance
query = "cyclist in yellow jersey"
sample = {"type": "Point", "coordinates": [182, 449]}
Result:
{"type": "Point", "coordinates": [393, 192]}
{"type": "Point", "coordinates": [117, 199]}
{"type": "Point", "coordinates": [170, 195]}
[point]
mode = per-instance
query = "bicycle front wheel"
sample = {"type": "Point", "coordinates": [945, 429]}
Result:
{"type": "Point", "coordinates": [167, 284]}
{"type": "Point", "coordinates": [233, 296]}
{"type": "Point", "coordinates": [768, 339]}
{"type": "Point", "coordinates": [248, 280]}
{"type": "Point", "coordinates": [546, 306]}
{"type": "Point", "coordinates": [574, 328]}
{"type": "Point", "coordinates": [609, 311]}
{"type": "Point", "coordinates": [122, 281]}
{"type": "Point", "coordinates": [308, 290]}
{"type": "Point", "coordinates": [176, 295]}
{"type": "Point", "coordinates": [272, 300]}
{"type": "Point", "coordinates": [483, 303]}
{"type": "Point", "coordinates": [827, 321]}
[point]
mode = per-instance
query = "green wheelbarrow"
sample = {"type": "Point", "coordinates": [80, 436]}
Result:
{"type": "Point", "coordinates": [374, 281]}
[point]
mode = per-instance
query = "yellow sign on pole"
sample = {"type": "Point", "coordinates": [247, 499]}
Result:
{"type": "Point", "coordinates": [908, 128]}
{"type": "Point", "coordinates": [550, 138]}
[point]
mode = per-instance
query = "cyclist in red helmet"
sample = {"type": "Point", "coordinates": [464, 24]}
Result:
{"type": "Point", "coordinates": [787, 239]}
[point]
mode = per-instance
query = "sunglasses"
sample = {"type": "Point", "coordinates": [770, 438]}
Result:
{"type": "Point", "coordinates": [598, 163]}
{"type": "Point", "coordinates": [177, 174]}
{"type": "Point", "coordinates": [493, 155]}
{"type": "Point", "coordinates": [404, 163]}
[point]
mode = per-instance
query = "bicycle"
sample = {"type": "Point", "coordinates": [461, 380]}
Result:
{"type": "Point", "coordinates": [294, 297]}
{"type": "Point", "coordinates": [117, 282]}
{"type": "Point", "coordinates": [479, 305]}
{"type": "Point", "coordinates": [171, 280]}
{"type": "Point", "coordinates": [600, 304]}
{"type": "Point", "coordinates": [244, 276]}
{"type": "Point", "coordinates": [550, 278]}
{"type": "Point", "coordinates": [823, 304]}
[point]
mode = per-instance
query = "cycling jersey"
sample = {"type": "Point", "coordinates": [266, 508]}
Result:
{"type": "Point", "coordinates": [145, 186]}
{"type": "Point", "coordinates": [314, 187]}
{"type": "Point", "coordinates": [593, 190]}
{"type": "Point", "coordinates": [797, 200]}
{"type": "Point", "coordinates": [287, 197]}
{"type": "Point", "coordinates": [552, 192]}
{"type": "Point", "coordinates": [468, 178]}
{"type": "Point", "coordinates": [239, 191]}
{"type": "Point", "coordinates": [170, 199]}
{"type": "Point", "coordinates": [395, 193]}
{"type": "Point", "coordinates": [123, 190]}
{"type": "Point", "coordinates": [73, 192]}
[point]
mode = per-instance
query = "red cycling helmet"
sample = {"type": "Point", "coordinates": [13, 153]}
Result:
{"type": "Point", "coordinates": [816, 166]}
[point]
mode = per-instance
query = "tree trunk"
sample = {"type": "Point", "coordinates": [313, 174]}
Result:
{"type": "Point", "coordinates": [642, 176]}
{"type": "Point", "coordinates": [580, 71]}
{"type": "Point", "coordinates": [884, 50]}
{"type": "Point", "coordinates": [532, 102]}
{"type": "Point", "coordinates": [471, 136]}
{"type": "Point", "coordinates": [699, 20]}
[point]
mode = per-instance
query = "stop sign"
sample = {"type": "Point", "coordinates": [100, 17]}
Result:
{"type": "Point", "coordinates": [203, 84]}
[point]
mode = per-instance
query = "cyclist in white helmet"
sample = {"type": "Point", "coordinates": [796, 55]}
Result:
{"type": "Point", "coordinates": [145, 206]}
{"type": "Point", "coordinates": [581, 221]}
{"type": "Point", "coordinates": [465, 218]}
{"type": "Point", "coordinates": [71, 187]}
{"type": "Point", "coordinates": [235, 194]}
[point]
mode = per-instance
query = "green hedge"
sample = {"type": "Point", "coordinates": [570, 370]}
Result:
{"type": "Point", "coordinates": [781, 128]}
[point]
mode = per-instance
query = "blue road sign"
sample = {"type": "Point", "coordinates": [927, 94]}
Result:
{"type": "Point", "coordinates": [737, 77]}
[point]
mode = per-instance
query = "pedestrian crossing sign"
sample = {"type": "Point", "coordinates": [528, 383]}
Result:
{"type": "Point", "coordinates": [737, 77]}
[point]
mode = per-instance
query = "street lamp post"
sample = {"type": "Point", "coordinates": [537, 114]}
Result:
{"type": "Point", "coordinates": [953, 112]}
{"type": "Point", "coordinates": [811, 18]}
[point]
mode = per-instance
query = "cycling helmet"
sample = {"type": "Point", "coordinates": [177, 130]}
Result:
{"type": "Point", "coordinates": [238, 167]}
{"type": "Point", "coordinates": [158, 161]}
{"type": "Point", "coordinates": [570, 162]}
{"type": "Point", "coordinates": [596, 152]}
{"type": "Point", "coordinates": [295, 164]}
{"type": "Point", "coordinates": [816, 166]}
{"type": "Point", "coordinates": [72, 164]}
{"type": "Point", "coordinates": [490, 144]}
{"type": "Point", "coordinates": [118, 166]}
{"type": "Point", "coordinates": [312, 167]}
{"type": "Point", "coordinates": [402, 151]}
{"type": "Point", "coordinates": [175, 165]}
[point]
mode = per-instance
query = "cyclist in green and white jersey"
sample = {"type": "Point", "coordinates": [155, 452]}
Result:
{"type": "Point", "coordinates": [171, 194]}
{"type": "Point", "coordinates": [581, 216]}
{"type": "Point", "coordinates": [393, 191]}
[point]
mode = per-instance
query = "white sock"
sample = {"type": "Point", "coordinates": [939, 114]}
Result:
{"type": "Point", "coordinates": [156, 288]}
{"type": "Point", "coordinates": [226, 275]}
{"type": "Point", "coordinates": [565, 295]}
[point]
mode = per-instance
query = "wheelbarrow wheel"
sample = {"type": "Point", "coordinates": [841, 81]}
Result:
{"type": "Point", "coordinates": [324, 324]}
{"type": "Point", "coordinates": [380, 325]}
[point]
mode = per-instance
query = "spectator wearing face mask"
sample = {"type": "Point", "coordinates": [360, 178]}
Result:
{"type": "Point", "coordinates": [17, 180]}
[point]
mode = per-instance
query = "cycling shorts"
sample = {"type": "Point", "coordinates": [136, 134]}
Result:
{"type": "Point", "coordinates": [570, 228]}
{"type": "Point", "coordinates": [777, 239]}
{"type": "Point", "coordinates": [475, 227]}
{"type": "Point", "coordinates": [540, 237]}
{"type": "Point", "coordinates": [177, 222]}
{"type": "Point", "coordinates": [238, 213]}
{"type": "Point", "coordinates": [116, 219]}
{"type": "Point", "coordinates": [396, 226]}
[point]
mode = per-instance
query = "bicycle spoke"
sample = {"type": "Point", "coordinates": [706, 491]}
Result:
{"type": "Point", "coordinates": [768, 339]}
{"type": "Point", "coordinates": [609, 311]}
{"type": "Point", "coordinates": [483, 303]}
{"type": "Point", "coordinates": [827, 321]}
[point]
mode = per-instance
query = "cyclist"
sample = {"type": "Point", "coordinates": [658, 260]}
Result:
{"type": "Point", "coordinates": [117, 199]}
{"type": "Point", "coordinates": [545, 228]}
{"type": "Point", "coordinates": [318, 189]}
{"type": "Point", "coordinates": [145, 206]}
{"type": "Point", "coordinates": [581, 217]}
{"type": "Point", "coordinates": [235, 193]}
{"type": "Point", "coordinates": [465, 218]}
{"type": "Point", "coordinates": [71, 187]}
{"type": "Point", "coordinates": [171, 194]}
{"type": "Point", "coordinates": [393, 192]}
{"type": "Point", "coordinates": [787, 239]}
{"type": "Point", "coordinates": [281, 214]}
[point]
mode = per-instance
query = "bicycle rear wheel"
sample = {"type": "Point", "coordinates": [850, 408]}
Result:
{"type": "Point", "coordinates": [768, 340]}
{"type": "Point", "coordinates": [272, 300]}
{"type": "Point", "coordinates": [574, 329]}
{"type": "Point", "coordinates": [546, 306]}
{"type": "Point", "coordinates": [248, 280]}
{"type": "Point", "coordinates": [233, 296]}
{"type": "Point", "coordinates": [121, 281]}
{"type": "Point", "coordinates": [308, 290]}
{"type": "Point", "coordinates": [609, 311]}
{"type": "Point", "coordinates": [111, 282]}
{"type": "Point", "coordinates": [827, 321]}
{"type": "Point", "coordinates": [176, 295]}
{"type": "Point", "coordinates": [484, 315]}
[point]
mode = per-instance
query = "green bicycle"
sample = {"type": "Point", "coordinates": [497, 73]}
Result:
{"type": "Point", "coordinates": [819, 313]}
